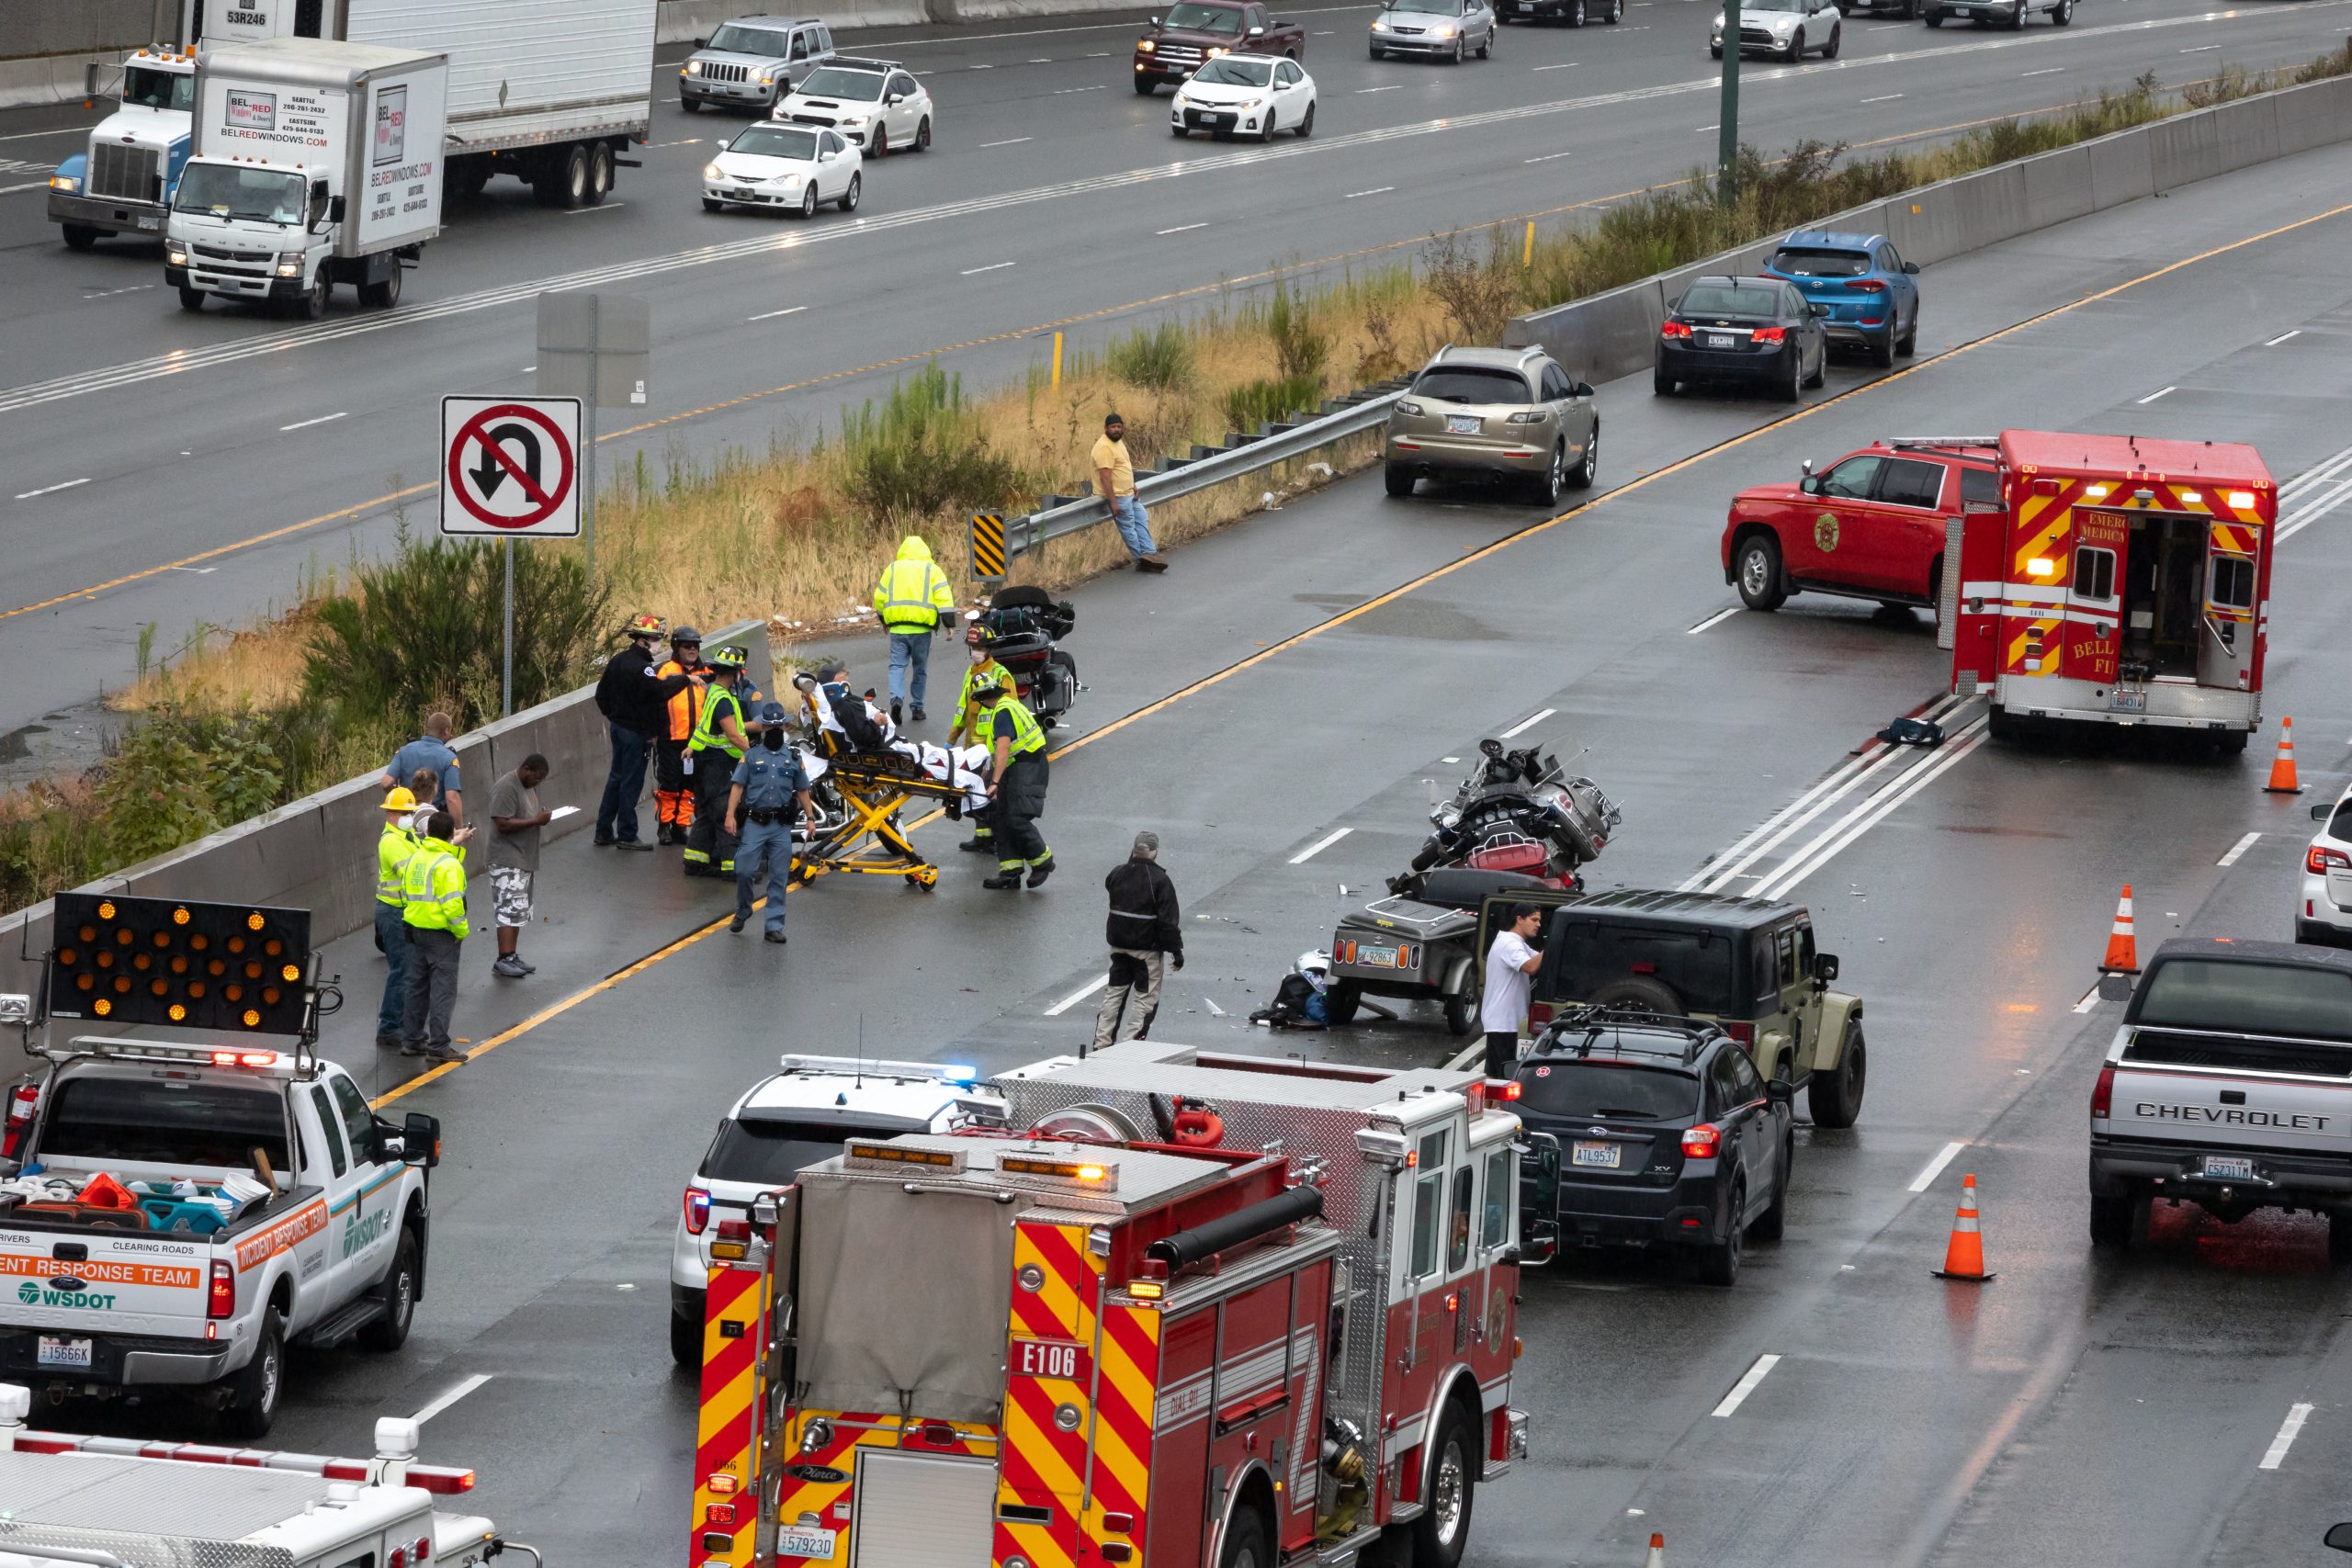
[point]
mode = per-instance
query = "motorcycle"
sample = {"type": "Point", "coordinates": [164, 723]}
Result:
{"type": "Point", "coordinates": [1025, 627]}
{"type": "Point", "coordinates": [1517, 812]}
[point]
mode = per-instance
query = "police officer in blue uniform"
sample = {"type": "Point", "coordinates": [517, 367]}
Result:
{"type": "Point", "coordinates": [770, 792]}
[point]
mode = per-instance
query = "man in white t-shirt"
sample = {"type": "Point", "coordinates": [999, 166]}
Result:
{"type": "Point", "coordinates": [1511, 970]}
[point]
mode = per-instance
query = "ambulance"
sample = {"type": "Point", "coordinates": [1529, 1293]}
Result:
{"type": "Point", "coordinates": [1177, 1309]}
{"type": "Point", "coordinates": [2118, 580]}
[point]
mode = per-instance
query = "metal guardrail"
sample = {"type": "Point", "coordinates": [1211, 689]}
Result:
{"type": "Point", "coordinates": [1277, 442]}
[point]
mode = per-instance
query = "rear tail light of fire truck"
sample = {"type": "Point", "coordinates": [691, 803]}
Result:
{"type": "Point", "coordinates": [222, 1301]}
{"type": "Point", "coordinates": [1702, 1141]}
{"type": "Point", "coordinates": [2319, 859]}
{"type": "Point", "coordinates": [733, 1243]}
{"type": "Point", "coordinates": [2103, 1094]}
{"type": "Point", "coordinates": [698, 1202]}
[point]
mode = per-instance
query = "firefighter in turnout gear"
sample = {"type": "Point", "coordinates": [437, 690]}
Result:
{"type": "Point", "coordinates": [722, 734]}
{"type": "Point", "coordinates": [1016, 788]}
{"type": "Point", "coordinates": [673, 796]}
{"type": "Point", "coordinates": [982, 670]}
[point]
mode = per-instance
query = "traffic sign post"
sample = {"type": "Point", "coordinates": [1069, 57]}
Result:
{"type": "Point", "coordinates": [594, 347]}
{"type": "Point", "coordinates": [510, 467]}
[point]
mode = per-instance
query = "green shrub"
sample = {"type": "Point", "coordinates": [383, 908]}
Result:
{"type": "Point", "coordinates": [178, 776]}
{"type": "Point", "coordinates": [1256, 403]}
{"type": "Point", "coordinates": [1301, 349]}
{"type": "Point", "coordinates": [1157, 359]}
{"type": "Point", "coordinates": [923, 452]}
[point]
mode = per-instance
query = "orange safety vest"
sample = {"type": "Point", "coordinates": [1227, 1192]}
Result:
{"type": "Point", "coordinates": [681, 706]}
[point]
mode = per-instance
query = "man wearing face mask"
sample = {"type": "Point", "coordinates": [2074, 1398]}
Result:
{"type": "Point", "coordinates": [769, 791]}
{"type": "Point", "coordinates": [983, 669]}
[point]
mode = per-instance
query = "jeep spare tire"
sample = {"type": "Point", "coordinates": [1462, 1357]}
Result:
{"type": "Point", "coordinates": [1638, 993]}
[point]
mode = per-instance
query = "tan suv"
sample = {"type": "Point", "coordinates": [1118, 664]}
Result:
{"type": "Point", "coordinates": [1511, 414]}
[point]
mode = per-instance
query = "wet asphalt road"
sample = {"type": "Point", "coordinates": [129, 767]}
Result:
{"type": "Point", "coordinates": [1269, 691]}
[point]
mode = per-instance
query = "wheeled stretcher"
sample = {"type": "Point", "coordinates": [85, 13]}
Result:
{"type": "Point", "coordinates": [873, 789]}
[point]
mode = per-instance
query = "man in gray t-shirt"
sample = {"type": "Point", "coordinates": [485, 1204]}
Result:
{"type": "Point", "coordinates": [516, 819]}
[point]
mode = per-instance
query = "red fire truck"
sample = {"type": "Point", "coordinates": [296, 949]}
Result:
{"type": "Point", "coordinates": [2120, 580]}
{"type": "Point", "coordinates": [1175, 1309]}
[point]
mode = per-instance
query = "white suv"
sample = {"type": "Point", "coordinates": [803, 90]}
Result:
{"type": "Point", "coordinates": [2324, 917]}
{"type": "Point", "coordinates": [797, 1117]}
{"type": "Point", "coordinates": [876, 104]}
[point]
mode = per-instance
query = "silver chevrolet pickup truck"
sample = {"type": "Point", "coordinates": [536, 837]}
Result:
{"type": "Point", "coordinates": [2229, 1085]}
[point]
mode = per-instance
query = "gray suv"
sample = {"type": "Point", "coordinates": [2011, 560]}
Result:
{"type": "Point", "coordinates": [752, 62]}
{"type": "Point", "coordinates": [1510, 413]}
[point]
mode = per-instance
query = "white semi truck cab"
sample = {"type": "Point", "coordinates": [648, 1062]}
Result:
{"type": "Point", "coordinates": [315, 164]}
{"type": "Point", "coordinates": [122, 181]}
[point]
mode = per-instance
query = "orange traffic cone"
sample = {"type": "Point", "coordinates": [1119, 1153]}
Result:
{"type": "Point", "coordinates": [1965, 1258]}
{"type": "Point", "coordinates": [1656, 1559]}
{"type": "Point", "coordinates": [2283, 768]}
{"type": "Point", "coordinates": [2123, 950]}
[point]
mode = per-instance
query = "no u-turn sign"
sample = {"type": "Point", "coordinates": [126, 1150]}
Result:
{"type": "Point", "coordinates": [510, 467]}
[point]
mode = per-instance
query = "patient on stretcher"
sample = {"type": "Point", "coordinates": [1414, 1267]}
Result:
{"type": "Point", "coordinates": [960, 766]}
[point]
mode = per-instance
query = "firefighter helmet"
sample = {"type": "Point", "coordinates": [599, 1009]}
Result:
{"type": "Point", "coordinates": [648, 626]}
{"type": "Point", "coordinates": [726, 657]}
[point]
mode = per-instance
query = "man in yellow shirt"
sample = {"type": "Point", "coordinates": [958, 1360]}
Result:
{"type": "Point", "coordinates": [1114, 481]}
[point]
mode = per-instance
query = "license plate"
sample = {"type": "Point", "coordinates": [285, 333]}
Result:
{"type": "Point", "coordinates": [740, 195]}
{"type": "Point", "coordinates": [805, 1543]}
{"type": "Point", "coordinates": [1721, 340]}
{"type": "Point", "coordinates": [1598, 1156]}
{"type": "Point", "coordinates": [151, 222]}
{"type": "Point", "coordinates": [1376, 957]}
{"type": "Point", "coordinates": [2217, 1168]}
{"type": "Point", "coordinates": [2128, 702]}
{"type": "Point", "coordinates": [56, 1352]}
{"type": "Point", "coordinates": [1461, 424]}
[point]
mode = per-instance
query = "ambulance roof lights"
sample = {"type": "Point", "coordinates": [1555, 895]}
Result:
{"type": "Point", "coordinates": [1101, 1178]}
{"type": "Point", "coordinates": [2042, 566]}
{"type": "Point", "coordinates": [900, 1154]}
{"type": "Point", "coordinates": [2241, 497]}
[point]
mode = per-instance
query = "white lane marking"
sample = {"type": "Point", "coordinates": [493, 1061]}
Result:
{"type": "Point", "coordinates": [1078, 996]}
{"type": "Point", "coordinates": [2276, 1455]}
{"type": "Point", "coordinates": [1066, 92]}
{"type": "Point", "coordinates": [1100, 54]}
{"type": "Point", "coordinates": [1718, 618]}
{"type": "Point", "coordinates": [608, 207]}
{"type": "Point", "coordinates": [2201, 49]}
{"type": "Point", "coordinates": [1320, 845]}
{"type": "Point", "coordinates": [61, 130]}
{"type": "Point", "coordinates": [2090, 1000]}
{"type": "Point", "coordinates": [322, 419]}
{"type": "Point", "coordinates": [2159, 392]}
{"type": "Point", "coordinates": [1547, 158]}
{"type": "Point", "coordinates": [1014, 141]}
{"type": "Point", "coordinates": [29, 185]}
{"type": "Point", "coordinates": [1185, 228]}
{"type": "Point", "coordinates": [772, 315]}
{"type": "Point", "coordinates": [2051, 70]}
{"type": "Point", "coordinates": [1880, 804]}
{"type": "Point", "coordinates": [1697, 130]}
{"type": "Point", "coordinates": [446, 1400]}
{"type": "Point", "coordinates": [525, 291]}
{"type": "Point", "coordinates": [526, 370]}
{"type": "Point", "coordinates": [1530, 722]}
{"type": "Point", "coordinates": [1213, 1007]}
{"type": "Point", "coordinates": [689, 141]}
{"type": "Point", "coordinates": [980, 68]}
{"type": "Point", "coordinates": [2317, 474]}
{"type": "Point", "coordinates": [50, 490]}
{"type": "Point", "coordinates": [110, 293]}
{"type": "Point", "coordinates": [2238, 849]}
{"type": "Point", "coordinates": [2307, 513]}
{"type": "Point", "coordinates": [1377, 190]}
{"type": "Point", "coordinates": [1747, 1385]}
{"type": "Point", "coordinates": [1935, 1168]}
{"type": "Point", "coordinates": [992, 266]}
{"type": "Point", "coordinates": [1883, 99]}
{"type": "Point", "coordinates": [2282, 337]}
{"type": "Point", "coordinates": [1042, 59]}
{"type": "Point", "coordinates": [1392, 87]}
{"type": "Point", "coordinates": [1563, 65]}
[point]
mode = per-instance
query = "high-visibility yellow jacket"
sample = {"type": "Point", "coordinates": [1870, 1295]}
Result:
{"type": "Point", "coordinates": [913, 593]}
{"type": "Point", "coordinates": [433, 888]}
{"type": "Point", "coordinates": [393, 846]}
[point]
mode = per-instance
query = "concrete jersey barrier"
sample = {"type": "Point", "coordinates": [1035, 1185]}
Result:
{"type": "Point", "coordinates": [1614, 334]}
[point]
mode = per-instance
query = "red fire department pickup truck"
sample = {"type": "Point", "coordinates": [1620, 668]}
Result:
{"type": "Point", "coordinates": [1870, 525]}
{"type": "Point", "coordinates": [1177, 1309]}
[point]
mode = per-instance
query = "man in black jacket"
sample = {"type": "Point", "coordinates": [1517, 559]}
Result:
{"type": "Point", "coordinates": [631, 696]}
{"type": "Point", "coordinates": [1145, 931]}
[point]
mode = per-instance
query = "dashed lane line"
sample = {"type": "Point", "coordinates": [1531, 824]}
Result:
{"type": "Point", "coordinates": [2238, 849]}
{"type": "Point", "coordinates": [2289, 1429]}
{"type": "Point", "coordinates": [1935, 1168]}
{"type": "Point", "coordinates": [1530, 722]}
{"type": "Point", "coordinates": [1320, 845]}
{"type": "Point", "coordinates": [1747, 1385]}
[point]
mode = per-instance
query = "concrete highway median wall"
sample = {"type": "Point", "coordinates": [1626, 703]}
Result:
{"type": "Point", "coordinates": [319, 852]}
{"type": "Point", "coordinates": [1614, 334]}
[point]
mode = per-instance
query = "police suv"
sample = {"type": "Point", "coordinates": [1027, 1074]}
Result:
{"type": "Point", "coordinates": [800, 1115]}
{"type": "Point", "coordinates": [2228, 1086]}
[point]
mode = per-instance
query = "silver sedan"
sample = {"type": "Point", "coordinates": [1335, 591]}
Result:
{"type": "Point", "coordinates": [1445, 29]}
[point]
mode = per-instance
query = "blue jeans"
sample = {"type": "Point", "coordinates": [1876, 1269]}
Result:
{"type": "Point", "coordinates": [616, 815]}
{"type": "Point", "coordinates": [775, 838]}
{"type": "Point", "coordinates": [910, 648]}
{"type": "Point", "coordinates": [1134, 525]}
{"type": "Point", "coordinates": [393, 931]}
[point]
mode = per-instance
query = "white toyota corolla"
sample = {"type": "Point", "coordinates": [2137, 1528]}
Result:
{"type": "Point", "coordinates": [796, 167]}
{"type": "Point", "coordinates": [1246, 95]}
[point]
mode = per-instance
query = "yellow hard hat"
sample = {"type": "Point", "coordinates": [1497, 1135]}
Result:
{"type": "Point", "coordinates": [399, 800]}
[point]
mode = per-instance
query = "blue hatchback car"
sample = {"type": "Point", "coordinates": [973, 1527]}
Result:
{"type": "Point", "coordinates": [1872, 293]}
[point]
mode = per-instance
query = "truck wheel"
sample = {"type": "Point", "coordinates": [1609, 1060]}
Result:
{"type": "Point", "coordinates": [692, 106]}
{"type": "Point", "coordinates": [397, 1292]}
{"type": "Point", "coordinates": [1773, 1222]}
{"type": "Point", "coordinates": [1146, 86]}
{"type": "Point", "coordinates": [311, 304]}
{"type": "Point", "coordinates": [1835, 1096]}
{"type": "Point", "coordinates": [1245, 1543]}
{"type": "Point", "coordinates": [1462, 1010]}
{"type": "Point", "coordinates": [600, 174]}
{"type": "Point", "coordinates": [685, 1341]}
{"type": "Point", "coordinates": [1638, 993]}
{"type": "Point", "coordinates": [1757, 569]}
{"type": "Point", "coordinates": [2339, 1236]}
{"type": "Point", "coordinates": [80, 236]}
{"type": "Point", "coordinates": [2115, 1221]}
{"type": "Point", "coordinates": [254, 1395]}
{"type": "Point", "coordinates": [1719, 1265]}
{"type": "Point", "coordinates": [191, 299]}
{"type": "Point", "coordinates": [1998, 725]}
{"type": "Point", "coordinates": [1443, 1532]}
{"type": "Point", "coordinates": [1340, 1003]}
{"type": "Point", "coordinates": [385, 295]}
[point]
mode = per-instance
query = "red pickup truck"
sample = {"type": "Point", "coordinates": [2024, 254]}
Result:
{"type": "Point", "coordinates": [1870, 525]}
{"type": "Point", "coordinates": [1196, 31]}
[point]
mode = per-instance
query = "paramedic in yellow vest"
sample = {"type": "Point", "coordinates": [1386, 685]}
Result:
{"type": "Point", "coordinates": [722, 735]}
{"type": "Point", "coordinates": [393, 846]}
{"type": "Point", "coordinates": [909, 599]}
{"type": "Point", "coordinates": [433, 898]}
{"type": "Point", "coordinates": [983, 669]}
{"type": "Point", "coordinates": [1016, 789]}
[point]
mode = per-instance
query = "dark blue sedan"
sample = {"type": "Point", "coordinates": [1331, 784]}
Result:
{"type": "Point", "coordinates": [1871, 292]}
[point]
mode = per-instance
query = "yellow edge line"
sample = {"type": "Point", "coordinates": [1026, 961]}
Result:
{"type": "Point", "coordinates": [558, 1009]}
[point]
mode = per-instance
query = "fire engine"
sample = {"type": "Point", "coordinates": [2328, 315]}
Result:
{"type": "Point", "coordinates": [2120, 580]}
{"type": "Point", "coordinates": [1174, 1308]}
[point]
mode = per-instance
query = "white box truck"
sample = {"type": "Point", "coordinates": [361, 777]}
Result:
{"type": "Point", "coordinates": [315, 164]}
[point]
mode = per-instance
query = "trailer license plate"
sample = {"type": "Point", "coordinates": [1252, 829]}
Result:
{"type": "Point", "coordinates": [1376, 957]}
{"type": "Point", "coordinates": [817, 1544]}
{"type": "Point", "coordinates": [2220, 1170]}
{"type": "Point", "coordinates": [57, 1352]}
{"type": "Point", "coordinates": [1600, 1157]}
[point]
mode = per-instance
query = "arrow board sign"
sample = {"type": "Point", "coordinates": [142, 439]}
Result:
{"type": "Point", "coordinates": [510, 467]}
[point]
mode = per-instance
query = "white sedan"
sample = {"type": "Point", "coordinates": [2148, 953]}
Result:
{"type": "Point", "coordinates": [1246, 95]}
{"type": "Point", "coordinates": [875, 103]}
{"type": "Point", "coordinates": [796, 167]}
